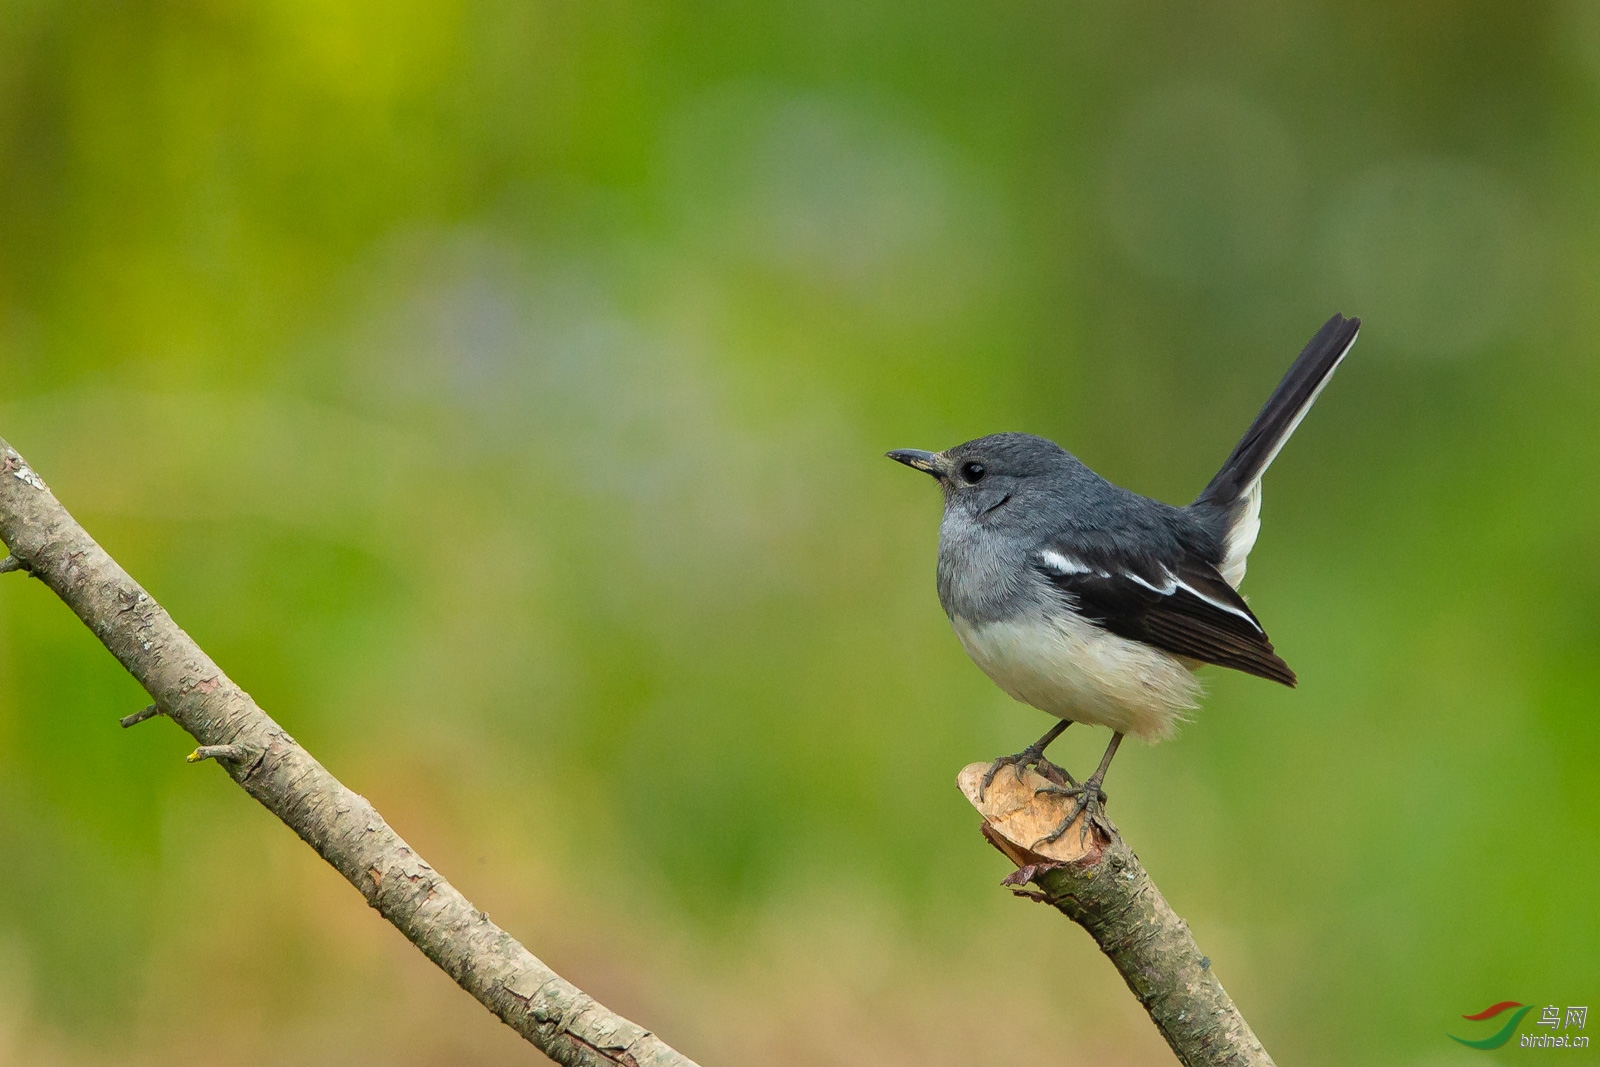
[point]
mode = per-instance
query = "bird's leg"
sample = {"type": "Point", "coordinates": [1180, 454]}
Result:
{"type": "Point", "coordinates": [1091, 799]}
{"type": "Point", "coordinates": [1032, 756]}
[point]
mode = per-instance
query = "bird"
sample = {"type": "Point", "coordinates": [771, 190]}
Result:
{"type": "Point", "coordinates": [1095, 604]}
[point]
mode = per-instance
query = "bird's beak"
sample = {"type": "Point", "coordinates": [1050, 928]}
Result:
{"type": "Point", "coordinates": [927, 462]}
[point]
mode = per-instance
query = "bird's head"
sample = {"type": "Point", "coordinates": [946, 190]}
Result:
{"type": "Point", "coordinates": [982, 477]}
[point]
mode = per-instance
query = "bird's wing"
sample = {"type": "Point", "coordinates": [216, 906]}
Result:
{"type": "Point", "coordinates": [1183, 607]}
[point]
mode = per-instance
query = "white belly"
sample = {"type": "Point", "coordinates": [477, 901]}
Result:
{"type": "Point", "coordinates": [1074, 670]}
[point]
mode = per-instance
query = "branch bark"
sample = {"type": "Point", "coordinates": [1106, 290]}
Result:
{"type": "Point", "coordinates": [1098, 883]}
{"type": "Point", "coordinates": [554, 1015]}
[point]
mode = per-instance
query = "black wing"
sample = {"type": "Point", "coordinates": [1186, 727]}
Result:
{"type": "Point", "coordinates": [1184, 608]}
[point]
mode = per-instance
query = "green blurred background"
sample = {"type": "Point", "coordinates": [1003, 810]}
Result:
{"type": "Point", "coordinates": [499, 391]}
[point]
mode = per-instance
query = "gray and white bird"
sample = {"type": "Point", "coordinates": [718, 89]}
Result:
{"type": "Point", "coordinates": [1095, 604]}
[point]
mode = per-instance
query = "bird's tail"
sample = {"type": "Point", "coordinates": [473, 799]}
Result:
{"type": "Point", "coordinates": [1288, 404]}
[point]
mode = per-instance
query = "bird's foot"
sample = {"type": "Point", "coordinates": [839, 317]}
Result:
{"type": "Point", "coordinates": [1032, 756]}
{"type": "Point", "coordinates": [1091, 804]}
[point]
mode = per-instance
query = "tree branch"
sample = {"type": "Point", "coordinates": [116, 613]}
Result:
{"type": "Point", "coordinates": [1099, 883]}
{"type": "Point", "coordinates": [555, 1016]}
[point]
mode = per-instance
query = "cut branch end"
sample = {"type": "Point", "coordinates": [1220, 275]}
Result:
{"type": "Point", "coordinates": [1093, 878]}
{"type": "Point", "coordinates": [1017, 818]}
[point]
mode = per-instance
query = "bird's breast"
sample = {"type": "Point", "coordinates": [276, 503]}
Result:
{"type": "Point", "coordinates": [982, 574]}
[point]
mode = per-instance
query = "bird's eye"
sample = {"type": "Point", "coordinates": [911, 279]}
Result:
{"type": "Point", "coordinates": [972, 473]}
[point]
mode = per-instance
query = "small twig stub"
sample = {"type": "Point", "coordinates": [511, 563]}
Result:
{"type": "Point", "coordinates": [139, 716]}
{"type": "Point", "coordinates": [220, 753]}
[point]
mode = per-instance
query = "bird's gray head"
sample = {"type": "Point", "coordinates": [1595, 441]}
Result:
{"type": "Point", "coordinates": [1002, 494]}
{"type": "Point", "coordinates": [984, 478]}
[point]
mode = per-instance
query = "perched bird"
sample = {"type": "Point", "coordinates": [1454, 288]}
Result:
{"type": "Point", "coordinates": [1096, 604]}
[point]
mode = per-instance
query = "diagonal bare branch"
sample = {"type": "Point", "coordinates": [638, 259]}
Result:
{"type": "Point", "coordinates": [554, 1015]}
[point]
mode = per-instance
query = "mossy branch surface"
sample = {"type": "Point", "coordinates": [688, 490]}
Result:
{"type": "Point", "coordinates": [1095, 880]}
{"type": "Point", "coordinates": [554, 1015]}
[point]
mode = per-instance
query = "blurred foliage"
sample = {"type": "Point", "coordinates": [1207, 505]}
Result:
{"type": "Point", "coordinates": [498, 392]}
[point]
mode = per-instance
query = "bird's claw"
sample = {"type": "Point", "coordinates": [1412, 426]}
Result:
{"type": "Point", "coordinates": [1028, 757]}
{"type": "Point", "coordinates": [1090, 804]}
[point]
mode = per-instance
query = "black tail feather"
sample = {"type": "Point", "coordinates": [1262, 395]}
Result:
{"type": "Point", "coordinates": [1282, 413]}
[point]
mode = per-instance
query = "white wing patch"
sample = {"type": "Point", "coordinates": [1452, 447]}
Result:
{"type": "Point", "coordinates": [1173, 584]}
{"type": "Point", "coordinates": [1168, 589]}
{"type": "Point", "coordinates": [1062, 564]}
{"type": "Point", "coordinates": [1222, 605]}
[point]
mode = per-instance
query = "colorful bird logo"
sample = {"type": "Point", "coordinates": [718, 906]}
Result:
{"type": "Point", "coordinates": [1504, 1034]}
